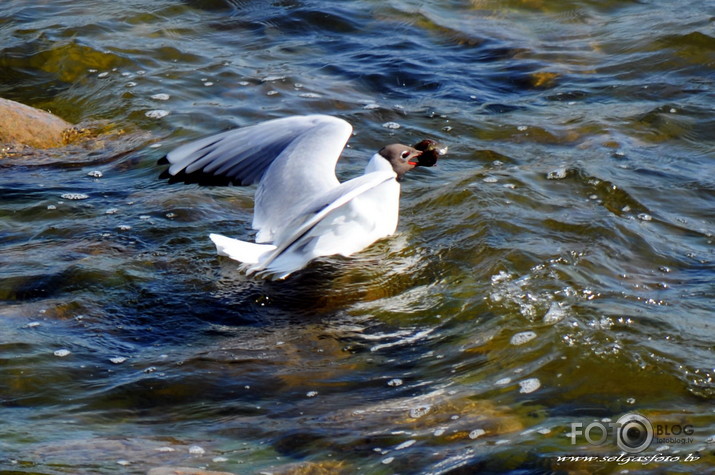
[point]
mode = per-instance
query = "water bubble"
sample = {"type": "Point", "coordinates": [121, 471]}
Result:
{"type": "Point", "coordinates": [157, 113]}
{"type": "Point", "coordinates": [118, 359]}
{"type": "Point", "coordinates": [124, 227]}
{"type": "Point", "coordinates": [645, 217]}
{"type": "Point", "coordinates": [74, 196]}
{"type": "Point", "coordinates": [219, 459]}
{"type": "Point", "coordinates": [371, 106]}
{"type": "Point", "coordinates": [554, 314]}
{"type": "Point", "coordinates": [490, 179]}
{"type": "Point", "coordinates": [196, 450]}
{"type": "Point", "coordinates": [544, 431]}
{"type": "Point", "coordinates": [395, 382]}
{"type": "Point", "coordinates": [150, 369]}
{"type": "Point", "coordinates": [529, 385]}
{"type": "Point", "coordinates": [272, 92]}
{"type": "Point", "coordinates": [388, 460]}
{"type": "Point", "coordinates": [500, 277]}
{"type": "Point", "coordinates": [626, 209]}
{"type": "Point", "coordinates": [171, 215]}
{"type": "Point", "coordinates": [112, 211]}
{"type": "Point", "coordinates": [103, 75]}
{"type": "Point", "coordinates": [95, 174]}
{"type": "Point", "coordinates": [503, 382]}
{"type": "Point", "coordinates": [557, 174]}
{"type": "Point", "coordinates": [309, 95]}
{"type": "Point", "coordinates": [32, 325]}
{"type": "Point", "coordinates": [631, 400]}
{"type": "Point", "coordinates": [161, 97]}
{"type": "Point", "coordinates": [522, 128]}
{"type": "Point", "coordinates": [391, 125]}
{"type": "Point", "coordinates": [123, 463]}
{"type": "Point", "coordinates": [476, 433]}
{"type": "Point", "coordinates": [405, 444]}
{"type": "Point", "coordinates": [62, 353]}
{"type": "Point", "coordinates": [51, 207]}
{"type": "Point", "coordinates": [439, 432]}
{"type": "Point", "coordinates": [131, 84]}
{"type": "Point", "coordinates": [311, 393]}
{"type": "Point", "coordinates": [208, 84]}
{"type": "Point", "coordinates": [523, 337]}
{"type": "Point", "coordinates": [419, 411]}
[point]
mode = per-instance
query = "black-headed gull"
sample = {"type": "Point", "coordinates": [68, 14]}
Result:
{"type": "Point", "coordinates": [301, 209]}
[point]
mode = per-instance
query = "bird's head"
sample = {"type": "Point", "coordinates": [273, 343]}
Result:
{"type": "Point", "coordinates": [404, 158]}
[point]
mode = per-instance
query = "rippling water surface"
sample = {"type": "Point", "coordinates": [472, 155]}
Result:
{"type": "Point", "coordinates": [556, 267]}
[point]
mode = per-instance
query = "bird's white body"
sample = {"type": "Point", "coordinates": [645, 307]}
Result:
{"type": "Point", "coordinates": [301, 210]}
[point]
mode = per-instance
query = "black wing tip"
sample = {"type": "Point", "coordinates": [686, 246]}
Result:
{"type": "Point", "coordinates": [200, 179]}
{"type": "Point", "coordinates": [197, 178]}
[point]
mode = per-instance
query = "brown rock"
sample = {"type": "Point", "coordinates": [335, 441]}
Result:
{"type": "Point", "coordinates": [183, 471]}
{"type": "Point", "coordinates": [312, 468]}
{"type": "Point", "coordinates": [25, 125]}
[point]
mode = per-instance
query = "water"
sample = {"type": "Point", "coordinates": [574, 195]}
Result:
{"type": "Point", "coordinates": [555, 268]}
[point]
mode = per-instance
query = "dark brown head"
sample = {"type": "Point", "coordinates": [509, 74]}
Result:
{"type": "Point", "coordinates": [403, 158]}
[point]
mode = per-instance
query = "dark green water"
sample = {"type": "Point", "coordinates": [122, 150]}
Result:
{"type": "Point", "coordinates": [555, 268]}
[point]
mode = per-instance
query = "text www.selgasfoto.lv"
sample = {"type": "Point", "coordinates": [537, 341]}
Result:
{"type": "Point", "coordinates": [623, 459]}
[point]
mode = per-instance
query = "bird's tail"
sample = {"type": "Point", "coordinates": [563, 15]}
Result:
{"type": "Point", "coordinates": [242, 251]}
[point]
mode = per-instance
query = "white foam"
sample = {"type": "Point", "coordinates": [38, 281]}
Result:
{"type": "Point", "coordinates": [523, 337]}
{"type": "Point", "coordinates": [529, 385]}
{"type": "Point", "coordinates": [156, 113]}
{"type": "Point", "coordinates": [74, 196]}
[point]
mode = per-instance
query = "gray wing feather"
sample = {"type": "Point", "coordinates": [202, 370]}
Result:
{"type": "Point", "coordinates": [292, 159]}
{"type": "Point", "coordinates": [244, 155]}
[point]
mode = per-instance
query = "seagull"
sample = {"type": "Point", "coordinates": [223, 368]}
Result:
{"type": "Point", "coordinates": [301, 210]}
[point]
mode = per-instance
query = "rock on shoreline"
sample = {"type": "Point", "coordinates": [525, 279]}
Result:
{"type": "Point", "coordinates": [25, 125]}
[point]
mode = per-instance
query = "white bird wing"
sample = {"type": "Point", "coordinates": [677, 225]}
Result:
{"type": "Point", "coordinates": [297, 235]}
{"type": "Point", "coordinates": [292, 159]}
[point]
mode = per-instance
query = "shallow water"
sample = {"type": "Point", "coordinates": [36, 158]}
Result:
{"type": "Point", "coordinates": [555, 268]}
